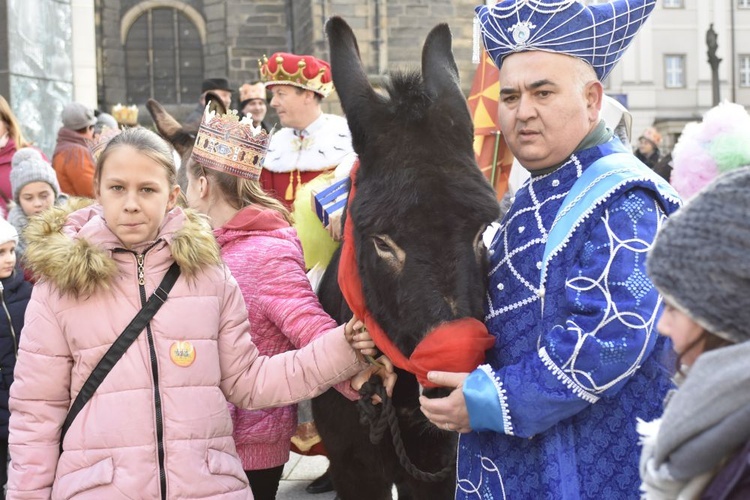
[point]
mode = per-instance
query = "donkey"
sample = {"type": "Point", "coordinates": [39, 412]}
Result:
{"type": "Point", "coordinates": [173, 132]}
{"type": "Point", "coordinates": [420, 210]}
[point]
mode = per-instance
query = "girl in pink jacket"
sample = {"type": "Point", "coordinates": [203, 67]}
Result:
{"type": "Point", "coordinates": [261, 249]}
{"type": "Point", "coordinates": [158, 426]}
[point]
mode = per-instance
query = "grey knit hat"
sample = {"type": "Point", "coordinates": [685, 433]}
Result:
{"type": "Point", "coordinates": [700, 261]}
{"type": "Point", "coordinates": [76, 116]}
{"type": "Point", "coordinates": [104, 120]}
{"type": "Point", "coordinates": [27, 166]}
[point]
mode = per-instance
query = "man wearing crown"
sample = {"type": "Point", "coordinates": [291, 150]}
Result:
{"type": "Point", "coordinates": [301, 159]}
{"type": "Point", "coordinates": [311, 143]}
{"type": "Point", "coordinates": [577, 360]}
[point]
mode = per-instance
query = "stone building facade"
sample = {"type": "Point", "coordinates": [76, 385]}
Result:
{"type": "Point", "coordinates": [665, 74]}
{"type": "Point", "coordinates": [164, 48]}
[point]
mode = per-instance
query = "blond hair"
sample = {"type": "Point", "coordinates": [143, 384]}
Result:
{"type": "Point", "coordinates": [14, 129]}
{"type": "Point", "coordinates": [239, 192]}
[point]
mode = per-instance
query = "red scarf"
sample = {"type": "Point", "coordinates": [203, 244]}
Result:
{"type": "Point", "coordinates": [455, 346]}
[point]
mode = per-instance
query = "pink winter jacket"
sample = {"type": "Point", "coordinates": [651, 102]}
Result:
{"type": "Point", "coordinates": [265, 257]}
{"type": "Point", "coordinates": [153, 429]}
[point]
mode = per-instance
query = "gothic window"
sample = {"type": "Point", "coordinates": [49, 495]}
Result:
{"type": "Point", "coordinates": [163, 55]}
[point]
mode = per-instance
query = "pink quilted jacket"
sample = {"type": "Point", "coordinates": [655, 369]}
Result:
{"type": "Point", "coordinates": [265, 257]}
{"type": "Point", "coordinates": [153, 429]}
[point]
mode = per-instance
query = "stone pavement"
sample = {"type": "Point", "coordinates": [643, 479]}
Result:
{"type": "Point", "coordinates": [298, 472]}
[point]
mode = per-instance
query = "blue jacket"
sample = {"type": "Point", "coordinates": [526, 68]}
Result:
{"type": "Point", "coordinates": [14, 297]}
{"type": "Point", "coordinates": [577, 358]}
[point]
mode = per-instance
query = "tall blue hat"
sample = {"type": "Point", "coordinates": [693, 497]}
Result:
{"type": "Point", "coordinates": [598, 34]}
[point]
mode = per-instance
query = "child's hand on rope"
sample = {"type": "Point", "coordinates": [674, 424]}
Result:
{"type": "Point", "coordinates": [359, 338]}
{"type": "Point", "coordinates": [383, 368]}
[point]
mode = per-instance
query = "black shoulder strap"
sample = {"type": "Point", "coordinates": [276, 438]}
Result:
{"type": "Point", "coordinates": [118, 348]}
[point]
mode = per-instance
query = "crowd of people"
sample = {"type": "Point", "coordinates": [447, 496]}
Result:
{"type": "Point", "coordinates": [92, 232]}
{"type": "Point", "coordinates": [615, 294]}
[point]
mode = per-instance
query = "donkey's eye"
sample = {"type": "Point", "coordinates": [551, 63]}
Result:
{"type": "Point", "coordinates": [389, 251]}
{"type": "Point", "coordinates": [381, 245]}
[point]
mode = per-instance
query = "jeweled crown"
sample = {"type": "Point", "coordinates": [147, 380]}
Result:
{"type": "Point", "coordinates": [101, 141]}
{"type": "Point", "coordinates": [228, 144]}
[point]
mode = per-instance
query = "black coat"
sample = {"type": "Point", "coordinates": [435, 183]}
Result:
{"type": "Point", "coordinates": [14, 296]}
{"type": "Point", "coordinates": [650, 160]}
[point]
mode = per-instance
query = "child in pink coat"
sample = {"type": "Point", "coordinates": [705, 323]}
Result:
{"type": "Point", "coordinates": [261, 249]}
{"type": "Point", "coordinates": [158, 426]}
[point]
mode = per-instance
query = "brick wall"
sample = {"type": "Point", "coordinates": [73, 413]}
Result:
{"type": "Point", "coordinates": [254, 28]}
{"type": "Point", "coordinates": [112, 76]}
{"type": "Point", "coordinates": [216, 49]}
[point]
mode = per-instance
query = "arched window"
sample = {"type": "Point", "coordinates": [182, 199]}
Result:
{"type": "Point", "coordinates": [163, 43]}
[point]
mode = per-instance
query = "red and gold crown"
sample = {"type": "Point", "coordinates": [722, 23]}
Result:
{"type": "Point", "coordinates": [305, 72]}
{"type": "Point", "coordinates": [228, 144]}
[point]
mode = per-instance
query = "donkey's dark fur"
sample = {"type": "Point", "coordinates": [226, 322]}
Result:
{"type": "Point", "coordinates": [173, 132]}
{"type": "Point", "coordinates": [419, 212]}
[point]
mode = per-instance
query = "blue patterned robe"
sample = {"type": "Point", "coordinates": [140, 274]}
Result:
{"type": "Point", "coordinates": [576, 359]}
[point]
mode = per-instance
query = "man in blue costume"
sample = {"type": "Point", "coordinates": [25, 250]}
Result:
{"type": "Point", "coordinates": [577, 359]}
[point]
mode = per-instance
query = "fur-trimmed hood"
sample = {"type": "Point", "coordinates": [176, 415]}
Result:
{"type": "Point", "coordinates": [71, 245]}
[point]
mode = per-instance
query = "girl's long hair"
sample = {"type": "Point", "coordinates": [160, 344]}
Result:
{"type": "Point", "coordinates": [14, 129]}
{"type": "Point", "coordinates": [239, 192]}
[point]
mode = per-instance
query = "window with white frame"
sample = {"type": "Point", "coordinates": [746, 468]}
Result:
{"type": "Point", "coordinates": [674, 71]}
{"type": "Point", "coordinates": [673, 4]}
{"type": "Point", "coordinates": [744, 68]}
{"type": "Point", "coordinates": [743, 4]}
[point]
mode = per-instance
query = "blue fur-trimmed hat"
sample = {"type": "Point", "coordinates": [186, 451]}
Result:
{"type": "Point", "coordinates": [598, 34]}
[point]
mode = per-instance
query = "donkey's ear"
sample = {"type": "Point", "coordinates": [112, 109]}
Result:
{"type": "Point", "coordinates": [165, 123]}
{"type": "Point", "coordinates": [439, 68]}
{"type": "Point", "coordinates": [215, 103]}
{"type": "Point", "coordinates": [169, 128]}
{"type": "Point", "coordinates": [349, 78]}
{"type": "Point", "coordinates": [441, 74]}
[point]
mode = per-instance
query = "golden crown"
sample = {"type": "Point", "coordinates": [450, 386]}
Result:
{"type": "Point", "coordinates": [305, 72]}
{"type": "Point", "coordinates": [228, 144]}
{"type": "Point", "coordinates": [125, 115]}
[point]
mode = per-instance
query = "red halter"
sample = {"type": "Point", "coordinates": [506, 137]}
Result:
{"type": "Point", "coordinates": [455, 346]}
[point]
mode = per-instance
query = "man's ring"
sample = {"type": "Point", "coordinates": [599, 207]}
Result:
{"type": "Point", "coordinates": [447, 426]}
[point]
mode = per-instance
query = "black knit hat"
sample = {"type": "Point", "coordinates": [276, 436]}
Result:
{"type": "Point", "coordinates": [215, 84]}
{"type": "Point", "coordinates": [700, 261]}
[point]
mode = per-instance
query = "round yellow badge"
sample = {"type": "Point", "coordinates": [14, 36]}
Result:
{"type": "Point", "coordinates": [182, 353]}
